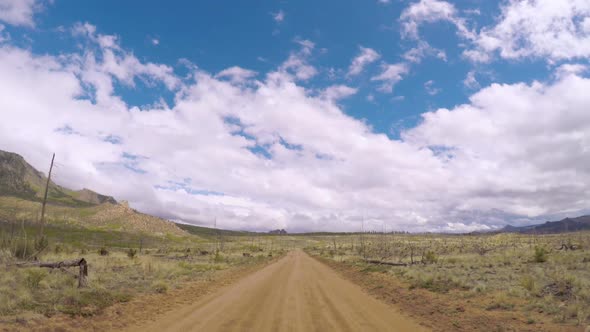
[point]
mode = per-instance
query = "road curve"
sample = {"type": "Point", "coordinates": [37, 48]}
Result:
{"type": "Point", "coordinates": [296, 293]}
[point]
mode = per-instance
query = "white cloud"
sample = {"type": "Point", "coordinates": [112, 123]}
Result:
{"type": "Point", "coordinates": [236, 74]}
{"type": "Point", "coordinates": [337, 92]}
{"type": "Point", "coordinates": [430, 88]}
{"type": "Point", "coordinates": [544, 29]}
{"type": "Point", "coordinates": [279, 16]}
{"type": "Point", "coordinates": [118, 63]}
{"type": "Point", "coordinates": [155, 41]}
{"type": "Point", "coordinates": [548, 29]}
{"type": "Point", "coordinates": [366, 56]}
{"type": "Point", "coordinates": [19, 12]}
{"type": "Point", "coordinates": [431, 11]}
{"type": "Point", "coordinates": [470, 80]}
{"type": "Point", "coordinates": [270, 153]}
{"type": "Point", "coordinates": [570, 68]}
{"type": "Point", "coordinates": [520, 148]}
{"type": "Point", "coordinates": [422, 50]}
{"type": "Point", "coordinates": [390, 75]}
{"type": "Point", "coordinates": [297, 64]}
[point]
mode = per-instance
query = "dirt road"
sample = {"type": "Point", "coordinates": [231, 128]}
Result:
{"type": "Point", "coordinates": [297, 293]}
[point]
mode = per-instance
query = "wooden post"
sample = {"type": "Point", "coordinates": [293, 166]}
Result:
{"type": "Point", "coordinates": [82, 282]}
{"type": "Point", "coordinates": [45, 197]}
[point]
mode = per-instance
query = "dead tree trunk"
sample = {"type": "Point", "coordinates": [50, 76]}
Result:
{"type": "Point", "coordinates": [372, 261]}
{"type": "Point", "coordinates": [80, 262]}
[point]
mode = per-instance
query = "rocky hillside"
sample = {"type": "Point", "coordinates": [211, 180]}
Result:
{"type": "Point", "coordinates": [18, 178]}
{"type": "Point", "coordinates": [22, 189]}
{"type": "Point", "coordinates": [122, 217]}
{"type": "Point", "coordinates": [87, 195]}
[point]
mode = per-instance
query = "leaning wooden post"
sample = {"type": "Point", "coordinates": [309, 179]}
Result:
{"type": "Point", "coordinates": [82, 282]}
{"type": "Point", "coordinates": [45, 197]}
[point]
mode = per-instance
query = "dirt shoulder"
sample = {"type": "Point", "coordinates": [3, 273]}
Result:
{"type": "Point", "coordinates": [139, 309]}
{"type": "Point", "coordinates": [451, 311]}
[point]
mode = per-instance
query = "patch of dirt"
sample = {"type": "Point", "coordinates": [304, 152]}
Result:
{"type": "Point", "coordinates": [451, 311]}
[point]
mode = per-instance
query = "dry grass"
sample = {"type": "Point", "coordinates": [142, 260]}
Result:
{"type": "Point", "coordinates": [506, 272]}
{"type": "Point", "coordinates": [113, 278]}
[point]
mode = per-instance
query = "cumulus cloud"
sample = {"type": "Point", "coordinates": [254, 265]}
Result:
{"type": "Point", "coordinates": [552, 30]}
{"type": "Point", "coordinates": [115, 62]}
{"type": "Point", "coordinates": [365, 57]}
{"type": "Point", "coordinates": [543, 29]}
{"type": "Point", "coordinates": [430, 11]}
{"type": "Point", "coordinates": [19, 12]}
{"type": "Point", "coordinates": [521, 148]}
{"type": "Point", "coordinates": [270, 153]}
{"type": "Point", "coordinates": [390, 75]}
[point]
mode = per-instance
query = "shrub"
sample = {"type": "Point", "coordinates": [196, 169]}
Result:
{"type": "Point", "coordinates": [23, 249]}
{"type": "Point", "coordinates": [218, 258]}
{"type": "Point", "coordinates": [34, 277]}
{"type": "Point", "coordinates": [430, 257]}
{"type": "Point", "coordinates": [103, 251]}
{"type": "Point", "coordinates": [540, 255]}
{"type": "Point", "coordinates": [160, 287]}
{"type": "Point", "coordinates": [41, 243]}
{"type": "Point", "coordinates": [528, 283]}
{"type": "Point", "coordinates": [131, 253]}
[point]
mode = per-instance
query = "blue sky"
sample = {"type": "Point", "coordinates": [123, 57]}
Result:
{"type": "Point", "coordinates": [308, 115]}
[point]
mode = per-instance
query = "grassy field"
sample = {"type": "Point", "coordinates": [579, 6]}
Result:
{"type": "Point", "coordinates": [533, 275]}
{"type": "Point", "coordinates": [121, 266]}
{"type": "Point", "coordinates": [537, 277]}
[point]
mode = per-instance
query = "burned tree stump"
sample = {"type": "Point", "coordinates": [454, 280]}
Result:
{"type": "Point", "coordinates": [80, 262]}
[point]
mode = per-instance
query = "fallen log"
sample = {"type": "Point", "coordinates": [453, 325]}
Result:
{"type": "Point", "coordinates": [567, 247]}
{"type": "Point", "coordinates": [80, 262]}
{"type": "Point", "coordinates": [372, 261]}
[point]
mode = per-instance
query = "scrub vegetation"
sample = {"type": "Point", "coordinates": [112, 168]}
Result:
{"type": "Point", "coordinates": [538, 277]}
{"type": "Point", "coordinates": [121, 266]}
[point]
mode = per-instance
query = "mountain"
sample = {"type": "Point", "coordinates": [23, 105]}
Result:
{"type": "Point", "coordinates": [89, 196]}
{"type": "Point", "coordinates": [21, 193]}
{"type": "Point", "coordinates": [552, 227]}
{"type": "Point", "coordinates": [18, 178]}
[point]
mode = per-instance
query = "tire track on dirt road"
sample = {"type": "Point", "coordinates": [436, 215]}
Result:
{"type": "Point", "coordinates": [296, 293]}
